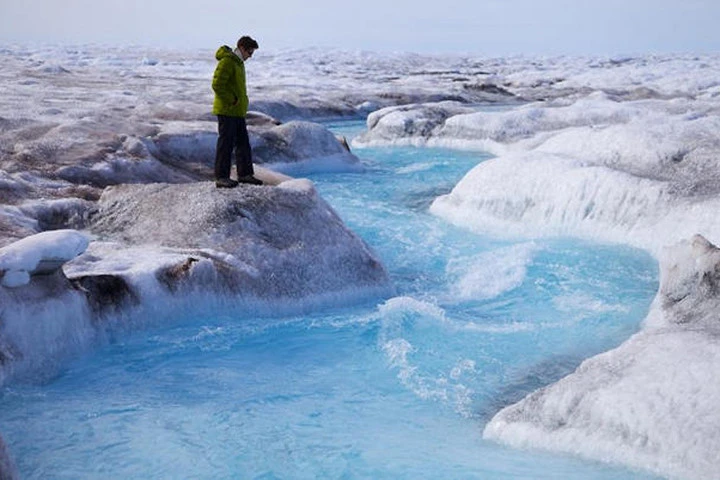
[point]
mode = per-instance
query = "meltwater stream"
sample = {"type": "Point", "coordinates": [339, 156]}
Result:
{"type": "Point", "coordinates": [400, 387]}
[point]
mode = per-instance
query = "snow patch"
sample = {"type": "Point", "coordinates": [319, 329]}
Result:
{"type": "Point", "coordinates": [45, 251]}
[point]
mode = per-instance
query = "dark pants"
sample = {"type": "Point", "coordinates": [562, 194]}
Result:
{"type": "Point", "coordinates": [232, 135]}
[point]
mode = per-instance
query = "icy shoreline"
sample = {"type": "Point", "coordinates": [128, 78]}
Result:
{"type": "Point", "coordinates": [650, 403]}
{"type": "Point", "coordinates": [639, 172]}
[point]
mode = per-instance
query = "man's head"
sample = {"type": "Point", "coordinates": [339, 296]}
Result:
{"type": "Point", "coordinates": [247, 46]}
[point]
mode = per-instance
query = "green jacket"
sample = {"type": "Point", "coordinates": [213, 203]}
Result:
{"type": "Point", "coordinates": [229, 84]}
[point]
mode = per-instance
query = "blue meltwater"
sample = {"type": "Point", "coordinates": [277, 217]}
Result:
{"type": "Point", "coordinates": [398, 387]}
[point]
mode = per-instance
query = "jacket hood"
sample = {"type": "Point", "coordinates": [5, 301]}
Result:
{"type": "Point", "coordinates": [224, 52]}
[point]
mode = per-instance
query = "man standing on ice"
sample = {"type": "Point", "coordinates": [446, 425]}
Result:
{"type": "Point", "coordinates": [230, 106]}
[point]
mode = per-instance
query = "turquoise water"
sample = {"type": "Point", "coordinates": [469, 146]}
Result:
{"type": "Point", "coordinates": [400, 387]}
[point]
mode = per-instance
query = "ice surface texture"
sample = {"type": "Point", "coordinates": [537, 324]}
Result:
{"type": "Point", "coordinates": [621, 149]}
{"type": "Point", "coordinates": [642, 172]}
{"type": "Point", "coordinates": [265, 242]}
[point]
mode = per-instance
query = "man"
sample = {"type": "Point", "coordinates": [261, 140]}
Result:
{"type": "Point", "coordinates": [230, 106]}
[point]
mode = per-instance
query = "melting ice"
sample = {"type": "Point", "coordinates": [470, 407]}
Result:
{"type": "Point", "coordinates": [491, 302]}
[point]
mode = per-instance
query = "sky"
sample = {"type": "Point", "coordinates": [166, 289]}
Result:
{"type": "Point", "coordinates": [487, 27]}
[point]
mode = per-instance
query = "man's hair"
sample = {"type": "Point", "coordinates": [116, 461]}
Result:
{"type": "Point", "coordinates": [247, 43]}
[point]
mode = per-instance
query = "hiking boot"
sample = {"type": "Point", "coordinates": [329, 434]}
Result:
{"type": "Point", "coordinates": [250, 179]}
{"type": "Point", "coordinates": [225, 183]}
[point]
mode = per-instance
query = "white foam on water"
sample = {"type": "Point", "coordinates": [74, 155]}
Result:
{"type": "Point", "coordinates": [44, 336]}
{"type": "Point", "coordinates": [415, 167]}
{"type": "Point", "coordinates": [491, 273]}
{"type": "Point", "coordinates": [403, 317]}
{"type": "Point", "coordinates": [585, 303]}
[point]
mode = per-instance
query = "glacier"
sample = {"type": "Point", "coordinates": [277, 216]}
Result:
{"type": "Point", "coordinates": [110, 152]}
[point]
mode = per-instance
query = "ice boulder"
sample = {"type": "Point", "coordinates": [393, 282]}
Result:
{"type": "Point", "coordinates": [690, 285]}
{"type": "Point", "coordinates": [413, 123]}
{"type": "Point", "coordinates": [190, 146]}
{"type": "Point", "coordinates": [287, 145]}
{"type": "Point", "coordinates": [650, 403]}
{"type": "Point", "coordinates": [538, 194]}
{"type": "Point", "coordinates": [535, 193]}
{"type": "Point", "coordinates": [455, 124]}
{"type": "Point", "coordinates": [262, 242]}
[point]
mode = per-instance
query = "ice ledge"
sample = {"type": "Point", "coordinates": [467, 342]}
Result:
{"type": "Point", "coordinates": [39, 254]}
{"type": "Point", "coordinates": [593, 202]}
{"type": "Point", "coordinates": [650, 403]}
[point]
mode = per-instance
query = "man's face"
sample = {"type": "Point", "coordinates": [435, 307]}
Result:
{"type": "Point", "coordinates": [246, 53]}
